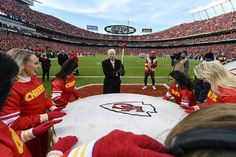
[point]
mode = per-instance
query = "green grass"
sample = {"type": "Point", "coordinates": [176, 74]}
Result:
{"type": "Point", "coordinates": [134, 66]}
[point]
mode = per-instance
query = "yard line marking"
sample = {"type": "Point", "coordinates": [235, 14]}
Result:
{"type": "Point", "coordinates": [103, 77]}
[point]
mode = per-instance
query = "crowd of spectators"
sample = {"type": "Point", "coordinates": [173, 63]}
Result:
{"type": "Point", "coordinates": [19, 11]}
{"type": "Point", "coordinates": [57, 35]}
{"type": "Point", "coordinates": [11, 40]}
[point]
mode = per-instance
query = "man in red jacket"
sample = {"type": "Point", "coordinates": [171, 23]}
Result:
{"type": "Point", "coordinates": [150, 66]}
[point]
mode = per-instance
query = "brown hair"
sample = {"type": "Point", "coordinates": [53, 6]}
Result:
{"type": "Point", "coordinates": [221, 116]}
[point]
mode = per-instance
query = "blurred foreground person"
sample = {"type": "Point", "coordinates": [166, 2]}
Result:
{"type": "Point", "coordinates": [27, 105]}
{"type": "Point", "coordinates": [112, 69]}
{"type": "Point", "coordinates": [210, 132]}
{"type": "Point", "coordinates": [64, 85]}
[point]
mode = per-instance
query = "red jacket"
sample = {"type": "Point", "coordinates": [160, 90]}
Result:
{"type": "Point", "coordinates": [150, 65]}
{"type": "Point", "coordinates": [63, 90]}
{"type": "Point", "coordinates": [182, 96]}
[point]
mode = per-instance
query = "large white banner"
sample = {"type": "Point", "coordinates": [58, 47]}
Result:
{"type": "Point", "coordinates": [93, 117]}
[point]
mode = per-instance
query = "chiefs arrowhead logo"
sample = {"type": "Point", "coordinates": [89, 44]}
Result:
{"type": "Point", "coordinates": [136, 108]}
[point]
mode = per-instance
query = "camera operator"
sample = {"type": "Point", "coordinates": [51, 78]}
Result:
{"type": "Point", "coordinates": [180, 62]}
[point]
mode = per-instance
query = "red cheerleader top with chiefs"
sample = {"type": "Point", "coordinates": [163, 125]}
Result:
{"type": "Point", "coordinates": [226, 96]}
{"type": "Point", "coordinates": [10, 143]}
{"type": "Point", "coordinates": [182, 96]}
{"type": "Point", "coordinates": [26, 102]}
{"type": "Point", "coordinates": [62, 90]}
{"type": "Point", "coordinates": [150, 65]}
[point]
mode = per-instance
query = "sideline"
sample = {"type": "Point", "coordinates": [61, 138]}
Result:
{"type": "Point", "coordinates": [162, 77]}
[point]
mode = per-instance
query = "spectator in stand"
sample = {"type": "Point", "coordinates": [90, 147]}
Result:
{"type": "Point", "coordinates": [11, 143]}
{"type": "Point", "coordinates": [27, 105]}
{"type": "Point", "coordinates": [62, 57]}
{"type": "Point", "coordinates": [223, 84]}
{"type": "Point", "coordinates": [150, 67]}
{"type": "Point", "coordinates": [181, 89]}
{"type": "Point", "coordinates": [64, 85]}
{"type": "Point", "coordinates": [46, 64]}
{"type": "Point", "coordinates": [206, 133]}
{"type": "Point", "coordinates": [201, 88]}
{"type": "Point", "coordinates": [112, 69]}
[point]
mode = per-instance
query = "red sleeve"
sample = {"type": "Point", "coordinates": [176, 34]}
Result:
{"type": "Point", "coordinates": [186, 97]}
{"type": "Point", "coordinates": [146, 65]}
{"type": "Point", "coordinates": [5, 151]}
{"type": "Point", "coordinates": [49, 103]}
{"type": "Point", "coordinates": [227, 96]}
{"type": "Point", "coordinates": [26, 122]}
{"type": "Point", "coordinates": [203, 105]}
{"type": "Point", "coordinates": [57, 88]}
{"type": "Point", "coordinates": [155, 64]}
{"type": "Point", "coordinates": [76, 93]}
{"type": "Point", "coordinates": [168, 94]}
{"type": "Point", "coordinates": [11, 114]}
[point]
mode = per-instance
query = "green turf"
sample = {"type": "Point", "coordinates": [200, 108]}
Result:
{"type": "Point", "coordinates": [90, 66]}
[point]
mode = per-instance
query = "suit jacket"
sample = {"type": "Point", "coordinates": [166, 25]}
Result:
{"type": "Point", "coordinates": [112, 76]}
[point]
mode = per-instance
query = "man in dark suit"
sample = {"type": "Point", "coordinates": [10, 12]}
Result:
{"type": "Point", "coordinates": [112, 69]}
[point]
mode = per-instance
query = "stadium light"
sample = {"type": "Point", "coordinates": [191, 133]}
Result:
{"type": "Point", "coordinates": [214, 10]}
{"type": "Point", "coordinates": [209, 6]}
{"type": "Point", "coordinates": [199, 15]}
{"type": "Point", "coordinates": [222, 8]}
{"type": "Point", "coordinates": [230, 1]}
{"type": "Point", "coordinates": [206, 14]}
{"type": "Point", "coordinates": [193, 16]}
{"type": "Point", "coordinates": [37, 1]}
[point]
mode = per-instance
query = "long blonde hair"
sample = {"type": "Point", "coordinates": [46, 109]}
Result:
{"type": "Point", "coordinates": [215, 73]}
{"type": "Point", "coordinates": [221, 115]}
{"type": "Point", "coordinates": [21, 56]}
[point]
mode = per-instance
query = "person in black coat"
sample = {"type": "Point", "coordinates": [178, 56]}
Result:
{"type": "Point", "coordinates": [201, 88]}
{"type": "Point", "coordinates": [46, 64]}
{"type": "Point", "coordinates": [112, 69]}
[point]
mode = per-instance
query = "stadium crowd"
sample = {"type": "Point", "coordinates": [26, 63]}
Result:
{"type": "Point", "coordinates": [57, 35]}
{"type": "Point", "coordinates": [19, 11]}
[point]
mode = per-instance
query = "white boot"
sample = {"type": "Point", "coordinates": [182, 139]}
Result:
{"type": "Point", "coordinates": [154, 88]}
{"type": "Point", "coordinates": [144, 87]}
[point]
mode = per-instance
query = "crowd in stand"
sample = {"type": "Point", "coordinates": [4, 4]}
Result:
{"type": "Point", "coordinates": [71, 38]}
{"type": "Point", "coordinates": [17, 10]}
{"type": "Point", "coordinates": [11, 40]}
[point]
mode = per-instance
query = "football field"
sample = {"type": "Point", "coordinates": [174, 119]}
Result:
{"type": "Point", "coordinates": [90, 70]}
